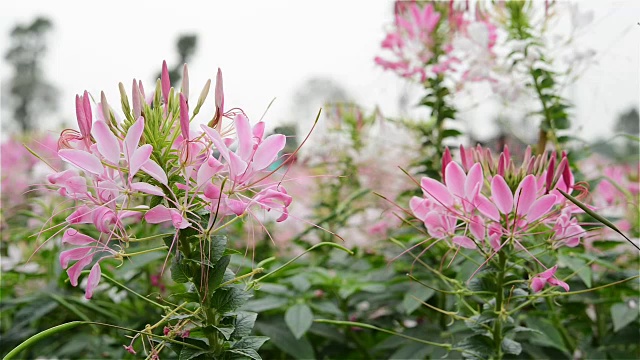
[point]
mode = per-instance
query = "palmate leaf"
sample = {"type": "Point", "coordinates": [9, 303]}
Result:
{"type": "Point", "coordinates": [600, 218]}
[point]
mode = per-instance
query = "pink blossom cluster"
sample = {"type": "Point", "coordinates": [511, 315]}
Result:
{"type": "Point", "coordinates": [617, 193]}
{"type": "Point", "coordinates": [436, 39]}
{"type": "Point", "coordinates": [484, 203]}
{"type": "Point", "coordinates": [20, 169]}
{"type": "Point", "coordinates": [218, 170]}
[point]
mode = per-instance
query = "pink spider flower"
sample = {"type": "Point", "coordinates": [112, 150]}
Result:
{"type": "Point", "coordinates": [494, 204]}
{"type": "Point", "coordinates": [547, 277]}
{"type": "Point", "coordinates": [216, 171]}
{"type": "Point", "coordinates": [411, 42]}
{"type": "Point", "coordinates": [83, 254]}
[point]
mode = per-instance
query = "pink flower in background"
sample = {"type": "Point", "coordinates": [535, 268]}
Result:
{"type": "Point", "coordinates": [410, 42]}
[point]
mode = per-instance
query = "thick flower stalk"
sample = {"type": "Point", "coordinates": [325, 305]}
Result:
{"type": "Point", "coordinates": [153, 169]}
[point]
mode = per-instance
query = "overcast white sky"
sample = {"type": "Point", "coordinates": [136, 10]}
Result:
{"type": "Point", "coordinates": [267, 49]}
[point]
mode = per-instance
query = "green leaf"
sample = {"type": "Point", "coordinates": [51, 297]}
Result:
{"type": "Point", "coordinates": [478, 345]}
{"type": "Point", "coordinates": [218, 247]}
{"type": "Point", "coordinates": [250, 353]}
{"type": "Point", "coordinates": [511, 347]}
{"type": "Point", "coordinates": [225, 331]}
{"type": "Point", "coordinates": [215, 278]}
{"type": "Point", "coordinates": [284, 340]}
{"type": "Point", "coordinates": [180, 272]}
{"type": "Point", "coordinates": [451, 133]}
{"type": "Point", "coordinates": [412, 351]}
{"type": "Point", "coordinates": [264, 304]}
{"type": "Point", "coordinates": [414, 298]}
{"type": "Point", "coordinates": [250, 342]}
{"type": "Point", "coordinates": [300, 283]}
{"type": "Point", "coordinates": [244, 323]}
{"type": "Point", "coordinates": [228, 299]}
{"type": "Point", "coordinates": [622, 315]}
{"type": "Point", "coordinates": [187, 296]}
{"type": "Point", "coordinates": [188, 353]}
{"type": "Point", "coordinates": [579, 266]}
{"type": "Point", "coordinates": [299, 319]}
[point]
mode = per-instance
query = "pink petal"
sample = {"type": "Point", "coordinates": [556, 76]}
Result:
{"type": "Point", "coordinates": [158, 214]}
{"type": "Point", "coordinates": [139, 157]}
{"type": "Point", "coordinates": [74, 271]}
{"type": "Point", "coordinates": [103, 217]}
{"type": "Point", "coordinates": [207, 171]}
{"type": "Point", "coordinates": [147, 188]}
{"type": "Point", "coordinates": [455, 179]}
{"type": "Point", "coordinates": [548, 273]}
{"type": "Point", "coordinates": [466, 157]}
{"type": "Point", "coordinates": [501, 194]}
{"type": "Point", "coordinates": [464, 241]}
{"type": "Point", "coordinates": [474, 178]}
{"type": "Point", "coordinates": [245, 143]}
{"type": "Point", "coordinates": [166, 82]}
{"type": "Point", "coordinates": [446, 159]}
{"type": "Point", "coordinates": [541, 207]}
{"type": "Point", "coordinates": [487, 208]}
{"type": "Point", "coordinates": [156, 172]}
{"type": "Point", "coordinates": [82, 215]}
{"type": "Point", "coordinates": [268, 150]}
{"type": "Point", "coordinates": [436, 190]}
{"type": "Point", "coordinates": [433, 223]}
{"type": "Point", "coordinates": [237, 167]}
{"type": "Point", "coordinates": [184, 117]}
{"type": "Point", "coordinates": [132, 139]}
{"type": "Point", "coordinates": [419, 207]}
{"type": "Point", "coordinates": [73, 237]}
{"type": "Point", "coordinates": [179, 222]}
{"type": "Point", "coordinates": [217, 141]}
{"type": "Point", "coordinates": [476, 226]}
{"type": "Point", "coordinates": [526, 194]}
{"type": "Point", "coordinates": [92, 280]}
{"type": "Point", "coordinates": [73, 254]}
{"type": "Point", "coordinates": [108, 144]}
{"type": "Point", "coordinates": [258, 130]}
{"type": "Point", "coordinates": [237, 206]}
{"type": "Point", "coordinates": [83, 160]}
{"type": "Point", "coordinates": [556, 282]}
{"type": "Point", "coordinates": [537, 284]}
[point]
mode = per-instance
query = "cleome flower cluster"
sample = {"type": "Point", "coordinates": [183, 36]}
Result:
{"type": "Point", "coordinates": [155, 167]}
{"type": "Point", "coordinates": [486, 203]}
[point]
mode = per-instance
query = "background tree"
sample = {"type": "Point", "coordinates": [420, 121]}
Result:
{"type": "Point", "coordinates": [629, 123]}
{"type": "Point", "coordinates": [29, 93]}
{"type": "Point", "coordinates": [186, 47]}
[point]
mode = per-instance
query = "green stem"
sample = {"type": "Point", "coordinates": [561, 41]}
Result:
{"type": "Point", "coordinates": [566, 337]}
{"type": "Point", "coordinates": [371, 327]}
{"type": "Point", "coordinates": [497, 326]}
{"type": "Point", "coordinates": [150, 237]}
{"type": "Point", "coordinates": [297, 257]}
{"type": "Point", "coordinates": [163, 247]}
{"type": "Point", "coordinates": [41, 335]}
